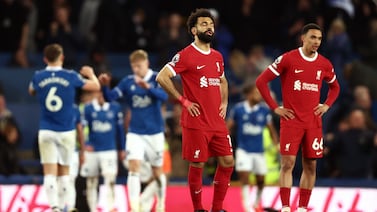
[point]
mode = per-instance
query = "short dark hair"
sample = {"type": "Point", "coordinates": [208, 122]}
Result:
{"type": "Point", "coordinates": [52, 52]}
{"type": "Point", "coordinates": [193, 18]}
{"type": "Point", "coordinates": [247, 88]}
{"type": "Point", "coordinates": [310, 26]}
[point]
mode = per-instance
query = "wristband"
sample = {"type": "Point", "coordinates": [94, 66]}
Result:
{"type": "Point", "coordinates": [185, 102]}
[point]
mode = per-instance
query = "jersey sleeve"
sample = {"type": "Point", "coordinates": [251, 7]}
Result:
{"type": "Point", "coordinates": [334, 87]}
{"type": "Point", "coordinates": [77, 80]}
{"type": "Point", "coordinates": [115, 93]}
{"type": "Point", "coordinates": [178, 63]}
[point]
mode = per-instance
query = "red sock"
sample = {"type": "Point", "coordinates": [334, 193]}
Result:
{"type": "Point", "coordinates": [221, 183]}
{"type": "Point", "coordinates": [304, 197]}
{"type": "Point", "coordinates": [195, 184]}
{"type": "Point", "coordinates": [285, 194]}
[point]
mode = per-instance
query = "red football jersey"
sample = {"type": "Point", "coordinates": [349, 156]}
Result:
{"type": "Point", "coordinates": [200, 73]}
{"type": "Point", "coordinates": [301, 81]}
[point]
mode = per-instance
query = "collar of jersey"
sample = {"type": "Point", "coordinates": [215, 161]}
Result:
{"type": "Point", "coordinates": [249, 108]}
{"type": "Point", "coordinates": [310, 59]}
{"type": "Point", "coordinates": [201, 51]}
{"type": "Point", "coordinates": [54, 68]}
{"type": "Point", "coordinates": [148, 75]}
{"type": "Point", "coordinates": [98, 107]}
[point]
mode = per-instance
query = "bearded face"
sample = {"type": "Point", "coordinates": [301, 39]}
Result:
{"type": "Point", "coordinates": [206, 37]}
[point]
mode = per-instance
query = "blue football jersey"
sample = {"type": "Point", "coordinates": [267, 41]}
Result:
{"type": "Point", "coordinates": [250, 122]}
{"type": "Point", "coordinates": [105, 123]}
{"type": "Point", "coordinates": [145, 104]}
{"type": "Point", "coordinates": [56, 90]}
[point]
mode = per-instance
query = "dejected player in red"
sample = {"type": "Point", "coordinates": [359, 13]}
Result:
{"type": "Point", "coordinates": [301, 73]}
{"type": "Point", "coordinates": [204, 101]}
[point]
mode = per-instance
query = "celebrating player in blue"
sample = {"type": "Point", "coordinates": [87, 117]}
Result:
{"type": "Point", "coordinates": [55, 88]}
{"type": "Point", "coordinates": [145, 136]}
{"type": "Point", "coordinates": [250, 117]}
{"type": "Point", "coordinates": [106, 135]}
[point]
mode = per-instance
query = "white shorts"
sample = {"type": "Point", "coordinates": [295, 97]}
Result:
{"type": "Point", "coordinates": [104, 162]}
{"type": "Point", "coordinates": [146, 147]}
{"type": "Point", "coordinates": [56, 147]}
{"type": "Point", "coordinates": [250, 162]}
{"type": "Point", "coordinates": [74, 166]}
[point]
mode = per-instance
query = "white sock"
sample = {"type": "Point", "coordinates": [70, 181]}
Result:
{"type": "Point", "coordinates": [50, 186]}
{"type": "Point", "coordinates": [91, 193]}
{"type": "Point", "coordinates": [72, 197]}
{"type": "Point", "coordinates": [109, 182]}
{"type": "Point", "coordinates": [286, 209]}
{"type": "Point", "coordinates": [161, 192]}
{"type": "Point", "coordinates": [147, 196]}
{"type": "Point", "coordinates": [301, 210]}
{"type": "Point", "coordinates": [65, 192]}
{"type": "Point", "coordinates": [133, 190]}
{"type": "Point", "coordinates": [245, 192]}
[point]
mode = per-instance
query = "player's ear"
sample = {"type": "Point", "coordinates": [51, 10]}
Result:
{"type": "Point", "coordinates": [193, 31]}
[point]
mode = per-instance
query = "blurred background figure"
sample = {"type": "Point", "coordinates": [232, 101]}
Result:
{"type": "Point", "coordinates": [9, 141]}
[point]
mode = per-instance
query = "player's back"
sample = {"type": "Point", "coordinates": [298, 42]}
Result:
{"type": "Point", "coordinates": [56, 90]}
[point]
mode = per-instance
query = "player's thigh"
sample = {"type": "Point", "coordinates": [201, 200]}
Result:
{"type": "Point", "coordinates": [47, 144]}
{"type": "Point", "coordinates": [154, 149]}
{"type": "Point", "coordinates": [194, 145]}
{"type": "Point", "coordinates": [135, 147]}
{"type": "Point", "coordinates": [259, 165]}
{"type": "Point", "coordinates": [90, 167]}
{"type": "Point", "coordinates": [220, 144]}
{"type": "Point", "coordinates": [108, 162]}
{"type": "Point", "coordinates": [290, 140]}
{"type": "Point", "coordinates": [312, 146]}
{"type": "Point", "coordinates": [243, 161]}
{"type": "Point", "coordinates": [66, 147]}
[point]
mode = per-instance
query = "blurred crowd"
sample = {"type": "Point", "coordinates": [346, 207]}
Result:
{"type": "Point", "coordinates": [250, 34]}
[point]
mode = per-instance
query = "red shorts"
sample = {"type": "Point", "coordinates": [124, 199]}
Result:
{"type": "Point", "coordinates": [199, 145]}
{"type": "Point", "coordinates": [311, 142]}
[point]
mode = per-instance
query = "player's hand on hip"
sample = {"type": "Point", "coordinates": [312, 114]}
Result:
{"type": "Point", "coordinates": [192, 107]}
{"type": "Point", "coordinates": [87, 71]}
{"type": "Point", "coordinates": [222, 109]}
{"type": "Point", "coordinates": [321, 109]}
{"type": "Point", "coordinates": [285, 113]}
{"type": "Point", "coordinates": [104, 79]}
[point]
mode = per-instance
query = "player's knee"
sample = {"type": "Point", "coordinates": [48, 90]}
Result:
{"type": "Point", "coordinates": [287, 164]}
{"type": "Point", "coordinates": [226, 161]}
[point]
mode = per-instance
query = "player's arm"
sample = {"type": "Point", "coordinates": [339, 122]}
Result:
{"type": "Point", "coordinates": [164, 79]}
{"type": "Point", "coordinates": [224, 96]}
{"type": "Point", "coordinates": [109, 94]}
{"type": "Point", "coordinates": [332, 94]}
{"type": "Point", "coordinates": [92, 83]}
{"type": "Point", "coordinates": [262, 85]}
{"type": "Point", "coordinates": [31, 90]}
{"type": "Point", "coordinates": [159, 93]}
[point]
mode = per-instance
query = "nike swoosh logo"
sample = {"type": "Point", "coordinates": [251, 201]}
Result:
{"type": "Point", "coordinates": [197, 192]}
{"type": "Point", "coordinates": [318, 153]}
{"type": "Point", "coordinates": [200, 67]}
{"type": "Point", "coordinates": [298, 71]}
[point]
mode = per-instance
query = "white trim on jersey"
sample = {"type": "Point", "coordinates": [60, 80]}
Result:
{"type": "Point", "coordinates": [171, 69]}
{"type": "Point", "coordinates": [273, 70]}
{"type": "Point", "coordinates": [310, 59]}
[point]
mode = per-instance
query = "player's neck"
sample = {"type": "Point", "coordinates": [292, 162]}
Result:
{"type": "Point", "coordinates": [55, 64]}
{"type": "Point", "coordinates": [308, 53]}
{"type": "Point", "coordinates": [202, 46]}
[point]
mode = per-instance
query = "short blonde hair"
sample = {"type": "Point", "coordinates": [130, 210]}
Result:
{"type": "Point", "coordinates": [138, 55]}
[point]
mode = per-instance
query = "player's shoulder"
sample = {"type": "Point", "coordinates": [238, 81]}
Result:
{"type": "Point", "coordinates": [323, 59]}
{"type": "Point", "coordinates": [114, 104]}
{"type": "Point", "coordinates": [127, 79]}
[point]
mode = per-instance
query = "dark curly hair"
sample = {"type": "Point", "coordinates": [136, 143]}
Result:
{"type": "Point", "coordinates": [193, 18]}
